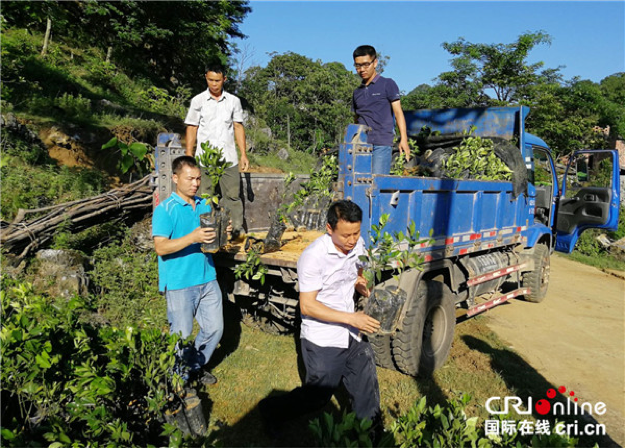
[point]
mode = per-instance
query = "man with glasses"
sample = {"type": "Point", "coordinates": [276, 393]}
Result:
{"type": "Point", "coordinates": [376, 104]}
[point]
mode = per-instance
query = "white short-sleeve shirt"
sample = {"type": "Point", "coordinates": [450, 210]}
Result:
{"type": "Point", "coordinates": [215, 120]}
{"type": "Point", "coordinates": [322, 267]}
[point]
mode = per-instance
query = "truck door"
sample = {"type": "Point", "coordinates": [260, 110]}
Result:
{"type": "Point", "coordinates": [589, 196]}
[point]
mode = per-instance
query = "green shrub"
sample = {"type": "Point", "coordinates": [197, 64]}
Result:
{"type": "Point", "coordinates": [449, 426]}
{"type": "Point", "coordinates": [587, 243]}
{"type": "Point", "coordinates": [350, 431]}
{"type": "Point", "coordinates": [446, 426]}
{"type": "Point", "coordinates": [31, 187]}
{"type": "Point", "coordinates": [320, 183]}
{"type": "Point", "coordinates": [620, 231]}
{"type": "Point", "coordinates": [159, 100]}
{"type": "Point", "coordinates": [89, 239]}
{"type": "Point", "coordinates": [126, 282]}
{"type": "Point", "coordinates": [74, 106]}
{"type": "Point", "coordinates": [298, 162]}
{"type": "Point", "coordinates": [101, 72]}
{"type": "Point", "coordinates": [67, 382]}
{"type": "Point", "coordinates": [30, 152]}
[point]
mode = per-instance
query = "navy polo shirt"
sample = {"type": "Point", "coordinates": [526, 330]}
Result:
{"type": "Point", "coordinates": [175, 218]}
{"type": "Point", "coordinates": [372, 104]}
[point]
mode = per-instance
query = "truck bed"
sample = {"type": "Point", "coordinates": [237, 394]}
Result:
{"type": "Point", "coordinates": [293, 242]}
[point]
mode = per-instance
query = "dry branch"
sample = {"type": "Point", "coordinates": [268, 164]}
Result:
{"type": "Point", "coordinates": [21, 237]}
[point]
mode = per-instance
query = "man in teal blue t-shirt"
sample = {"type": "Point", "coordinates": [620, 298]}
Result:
{"type": "Point", "coordinates": [186, 274]}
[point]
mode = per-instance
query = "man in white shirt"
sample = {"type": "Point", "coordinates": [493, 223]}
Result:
{"type": "Point", "coordinates": [329, 271]}
{"type": "Point", "coordinates": [216, 116]}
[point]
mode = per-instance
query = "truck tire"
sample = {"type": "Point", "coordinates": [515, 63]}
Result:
{"type": "Point", "coordinates": [427, 331]}
{"type": "Point", "coordinates": [538, 279]}
{"type": "Point", "coordinates": [382, 349]}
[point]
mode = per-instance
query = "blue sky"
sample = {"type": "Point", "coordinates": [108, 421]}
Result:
{"type": "Point", "coordinates": [588, 38]}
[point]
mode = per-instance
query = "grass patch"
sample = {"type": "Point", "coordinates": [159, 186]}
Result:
{"type": "Point", "coordinates": [298, 162]}
{"type": "Point", "coordinates": [252, 365]}
{"type": "Point", "coordinates": [76, 86]}
{"type": "Point", "coordinates": [600, 262]}
{"type": "Point", "coordinates": [30, 187]}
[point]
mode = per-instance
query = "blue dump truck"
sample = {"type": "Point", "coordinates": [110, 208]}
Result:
{"type": "Point", "coordinates": [487, 241]}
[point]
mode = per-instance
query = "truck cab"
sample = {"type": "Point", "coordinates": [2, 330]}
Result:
{"type": "Point", "coordinates": [569, 199]}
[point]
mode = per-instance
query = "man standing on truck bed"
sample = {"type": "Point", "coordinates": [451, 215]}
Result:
{"type": "Point", "coordinates": [333, 351]}
{"type": "Point", "coordinates": [186, 274]}
{"type": "Point", "coordinates": [374, 103]}
{"type": "Point", "coordinates": [216, 116]}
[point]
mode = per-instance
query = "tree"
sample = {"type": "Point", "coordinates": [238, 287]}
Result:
{"type": "Point", "coordinates": [502, 68]}
{"type": "Point", "coordinates": [40, 16]}
{"type": "Point", "coordinates": [156, 40]}
{"type": "Point", "coordinates": [613, 90]}
{"type": "Point", "coordinates": [565, 116]}
{"type": "Point", "coordinates": [304, 101]}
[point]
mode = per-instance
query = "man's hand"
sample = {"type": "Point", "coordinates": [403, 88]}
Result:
{"type": "Point", "coordinates": [361, 287]}
{"type": "Point", "coordinates": [364, 323]}
{"type": "Point", "coordinates": [404, 147]}
{"type": "Point", "coordinates": [204, 235]}
{"type": "Point", "coordinates": [229, 229]}
{"type": "Point", "coordinates": [165, 246]}
{"type": "Point", "coordinates": [244, 163]}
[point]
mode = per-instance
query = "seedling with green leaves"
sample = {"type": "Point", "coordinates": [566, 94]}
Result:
{"type": "Point", "coordinates": [319, 184]}
{"type": "Point", "coordinates": [394, 253]}
{"type": "Point", "coordinates": [391, 252]}
{"type": "Point", "coordinates": [132, 155]}
{"type": "Point", "coordinates": [211, 160]}
{"type": "Point", "coordinates": [475, 158]}
{"type": "Point", "coordinates": [253, 268]}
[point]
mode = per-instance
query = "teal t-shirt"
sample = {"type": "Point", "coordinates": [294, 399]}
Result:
{"type": "Point", "coordinates": [175, 218]}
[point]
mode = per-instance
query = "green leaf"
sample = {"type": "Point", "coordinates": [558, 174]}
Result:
{"type": "Point", "coordinates": [112, 143]}
{"type": "Point", "coordinates": [126, 163]}
{"type": "Point", "coordinates": [43, 360]}
{"type": "Point", "coordinates": [139, 150]}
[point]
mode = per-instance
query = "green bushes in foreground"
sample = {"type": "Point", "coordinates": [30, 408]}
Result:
{"type": "Point", "coordinates": [426, 426]}
{"type": "Point", "coordinates": [66, 381]}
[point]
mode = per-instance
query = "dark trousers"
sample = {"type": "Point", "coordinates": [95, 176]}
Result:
{"type": "Point", "coordinates": [230, 188]}
{"type": "Point", "coordinates": [326, 368]}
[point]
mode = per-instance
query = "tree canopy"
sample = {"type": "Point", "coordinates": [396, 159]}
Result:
{"type": "Point", "coordinates": [305, 102]}
{"type": "Point", "coordinates": [564, 114]}
{"type": "Point", "coordinates": [163, 41]}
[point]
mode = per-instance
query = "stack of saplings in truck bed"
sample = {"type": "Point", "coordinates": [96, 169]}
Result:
{"type": "Point", "coordinates": [464, 156]}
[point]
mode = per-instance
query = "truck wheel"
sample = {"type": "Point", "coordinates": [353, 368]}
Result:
{"type": "Point", "coordinates": [538, 279]}
{"type": "Point", "coordinates": [427, 331]}
{"type": "Point", "coordinates": [382, 349]}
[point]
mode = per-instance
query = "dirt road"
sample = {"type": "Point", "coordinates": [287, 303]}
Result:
{"type": "Point", "coordinates": [575, 337]}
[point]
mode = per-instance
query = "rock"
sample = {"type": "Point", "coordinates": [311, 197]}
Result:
{"type": "Point", "coordinates": [617, 249]}
{"type": "Point", "coordinates": [141, 236]}
{"type": "Point", "coordinates": [9, 121]}
{"type": "Point", "coordinates": [62, 273]}
{"type": "Point", "coordinates": [59, 138]}
{"type": "Point", "coordinates": [604, 240]}
{"type": "Point", "coordinates": [266, 131]}
{"type": "Point", "coordinates": [105, 105]}
{"type": "Point", "coordinates": [283, 154]}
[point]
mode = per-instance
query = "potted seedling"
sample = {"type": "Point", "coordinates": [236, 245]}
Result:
{"type": "Point", "coordinates": [393, 253]}
{"type": "Point", "coordinates": [211, 161]}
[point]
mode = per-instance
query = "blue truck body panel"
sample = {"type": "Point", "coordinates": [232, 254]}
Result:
{"type": "Point", "coordinates": [503, 122]}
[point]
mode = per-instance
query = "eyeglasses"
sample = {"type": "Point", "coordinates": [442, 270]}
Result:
{"type": "Point", "coordinates": [364, 65]}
